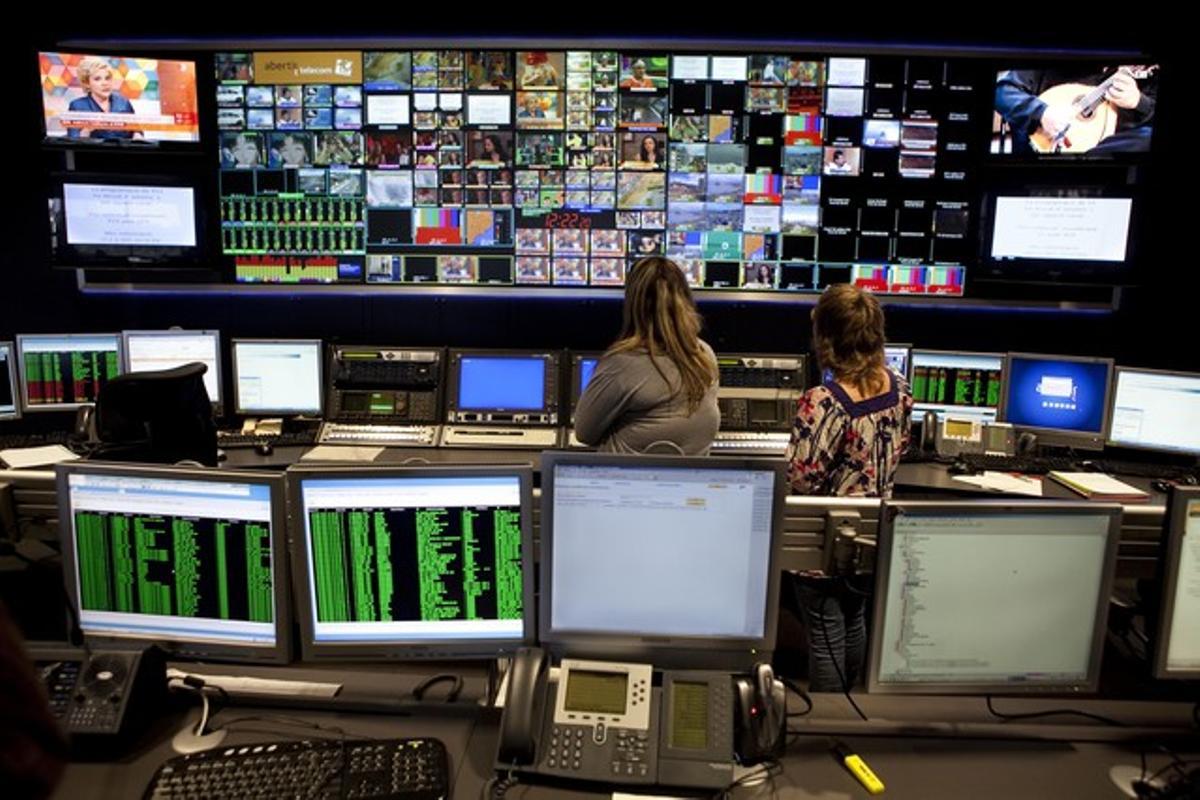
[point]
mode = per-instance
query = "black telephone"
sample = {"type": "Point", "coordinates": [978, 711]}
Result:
{"type": "Point", "coordinates": [606, 721]}
{"type": "Point", "coordinates": [102, 694]}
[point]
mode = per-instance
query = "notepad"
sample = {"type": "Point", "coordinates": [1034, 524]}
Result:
{"type": "Point", "coordinates": [25, 457]}
{"type": "Point", "coordinates": [1098, 486]}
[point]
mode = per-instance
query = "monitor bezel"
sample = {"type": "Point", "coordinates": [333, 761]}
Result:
{"type": "Point", "coordinates": [23, 383]}
{"type": "Point", "coordinates": [1116, 382]}
{"type": "Point", "coordinates": [218, 402]}
{"type": "Point", "coordinates": [13, 387]}
{"type": "Point", "coordinates": [550, 394]}
{"type": "Point", "coordinates": [281, 412]}
{"type": "Point", "coordinates": [400, 649]}
{"type": "Point", "coordinates": [137, 257]}
{"type": "Point", "coordinates": [891, 509]}
{"type": "Point", "coordinates": [919, 407]}
{"type": "Point", "coordinates": [1061, 437]}
{"type": "Point", "coordinates": [682, 652]}
{"type": "Point", "coordinates": [1169, 563]}
{"type": "Point", "coordinates": [278, 653]}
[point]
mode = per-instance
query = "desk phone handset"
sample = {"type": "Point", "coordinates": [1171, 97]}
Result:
{"type": "Point", "coordinates": [606, 721]}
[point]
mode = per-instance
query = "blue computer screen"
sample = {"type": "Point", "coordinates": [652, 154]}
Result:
{"type": "Point", "coordinates": [509, 383]}
{"type": "Point", "coordinates": [586, 367]}
{"type": "Point", "coordinates": [1052, 393]}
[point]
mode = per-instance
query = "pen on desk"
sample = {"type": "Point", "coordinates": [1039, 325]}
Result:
{"type": "Point", "coordinates": [858, 768]}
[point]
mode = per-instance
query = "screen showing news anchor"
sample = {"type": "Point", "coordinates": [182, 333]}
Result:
{"type": "Point", "coordinates": [113, 98]}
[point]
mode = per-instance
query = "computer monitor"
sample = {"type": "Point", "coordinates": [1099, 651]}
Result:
{"type": "Point", "coordinates": [277, 376]}
{"type": "Point", "coordinates": [661, 559]}
{"type": "Point", "coordinates": [190, 559]}
{"type": "Point", "coordinates": [1063, 399]}
{"type": "Point", "coordinates": [9, 407]}
{"type": "Point", "coordinates": [1177, 643]}
{"type": "Point", "coordinates": [61, 372]}
{"type": "Point", "coordinates": [396, 563]}
{"type": "Point", "coordinates": [896, 356]}
{"type": "Point", "coordinates": [149, 100]}
{"type": "Point", "coordinates": [582, 367]}
{"type": "Point", "coordinates": [989, 598]}
{"type": "Point", "coordinates": [957, 384]}
{"type": "Point", "coordinates": [148, 351]}
{"type": "Point", "coordinates": [1155, 410]}
{"type": "Point", "coordinates": [503, 386]}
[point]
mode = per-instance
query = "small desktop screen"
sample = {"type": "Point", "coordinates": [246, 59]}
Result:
{"type": "Point", "coordinates": [90, 99]}
{"type": "Point", "coordinates": [586, 367]}
{"type": "Point", "coordinates": [679, 551]}
{"type": "Point", "coordinates": [9, 408]}
{"type": "Point", "coordinates": [149, 351]}
{"type": "Point", "coordinates": [63, 372]}
{"type": "Point", "coordinates": [1177, 649]}
{"type": "Point", "coordinates": [896, 357]}
{"type": "Point", "coordinates": [989, 597]}
{"type": "Point", "coordinates": [957, 384]}
{"type": "Point", "coordinates": [277, 377]}
{"type": "Point", "coordinates": [187, 557]}
{"type": "Point", "coordinates": [508, 383]}
{"type": "Point", "coordinates": [416, 563]}
{"type": "Point", "coordinates": [1156, 411]}
{"type": "Point", "coordinates": [1058, 395]}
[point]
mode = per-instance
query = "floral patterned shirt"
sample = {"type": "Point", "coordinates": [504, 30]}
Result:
{"type": "Point", "coordinates": [843, 447]}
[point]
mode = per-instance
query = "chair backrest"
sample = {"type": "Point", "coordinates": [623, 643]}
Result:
{"type": "Point", "coordinates": [161, 417]}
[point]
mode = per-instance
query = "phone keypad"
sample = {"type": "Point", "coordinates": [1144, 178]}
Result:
{"type": "Point", "coordinates": [631, 758]}
{"type": "Point", "coordinates": [566, 748]}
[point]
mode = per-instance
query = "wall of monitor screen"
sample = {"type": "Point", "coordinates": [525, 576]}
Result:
{"type": "Point", "coordinates": [758, 171]}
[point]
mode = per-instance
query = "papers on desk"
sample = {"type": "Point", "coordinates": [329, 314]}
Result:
{"type": "Point", "coordinates": [1005, 482]}
{"type": "Point", "coordinates": [328, 452]}
{"type": "Point", "coordinates": [25, 457]}
{"type": "Point", "coordinates": [1098, 486]}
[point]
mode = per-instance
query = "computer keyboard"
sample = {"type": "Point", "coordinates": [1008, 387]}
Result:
{"type": "Point", "coordinates": [15, 440]}
{"type": "Point", "coordinates": [237, 439]}
{"type": "Point", "coordinates": [773, 442]}
{"type": "Point", "coordinates": [382, 435]}
{"type": "Point", "coordinates": [1030, 465]}
{"type": "Point", "coordinates": [407, 769]}
{"type": "Point", "coordinates": [1137, 469]}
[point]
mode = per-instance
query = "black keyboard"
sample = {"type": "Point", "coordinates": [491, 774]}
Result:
{"type": "Point", "coordinates": [1030, 465]}
{"type": "Point", "coordinates": [412, 769]}
{"type": "Point", "coordinates": [11, 440]}
{"type": "Point", "coordinates": [1138, 469]}
{"type": "Point", "coordinates": [235, 439]}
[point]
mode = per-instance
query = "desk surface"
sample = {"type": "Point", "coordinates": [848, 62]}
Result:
{"type": "Point", "coordinates": [927, 767]}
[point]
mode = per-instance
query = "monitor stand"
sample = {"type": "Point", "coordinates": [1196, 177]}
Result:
{"type": "Point", "coordinates": [500, 436]}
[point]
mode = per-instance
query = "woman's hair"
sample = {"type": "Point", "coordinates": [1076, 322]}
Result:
{"type": "Point", "coordinates": [497, 148]}
{"type": "Point", "coordinates": [87, 66]}
{"type": "Point", "coordinates": [660, 316]}
{"type": "Point", "coordinates": [848, 336]}
{"type": "Point", "coordinates": [645, 153]}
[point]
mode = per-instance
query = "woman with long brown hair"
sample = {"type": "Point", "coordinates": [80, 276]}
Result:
{"type": "Point", "coordinates": [657, 383]}
{"type": "Point", "coordinates": [847, 439]}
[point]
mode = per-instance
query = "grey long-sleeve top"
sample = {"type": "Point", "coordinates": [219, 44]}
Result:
{"type": "Point", "coordinates": [627, 406]}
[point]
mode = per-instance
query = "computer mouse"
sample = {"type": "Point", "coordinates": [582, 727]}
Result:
{"type": "Point", "coordinates": [264, 448]}
{"type": "Point", "coordinates": [960, 467]}
{"type": "Point", "coordinates": [1159, 485]}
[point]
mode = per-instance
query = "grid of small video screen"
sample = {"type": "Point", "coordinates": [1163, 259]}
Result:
{"type": "Point", "coordinates": [756, 171]}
